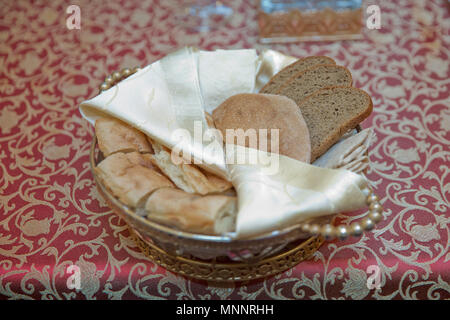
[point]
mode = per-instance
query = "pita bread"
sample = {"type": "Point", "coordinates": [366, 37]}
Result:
{"type": "Point", "coordinates": [211, 214]}
{"type": "Point", "coordinates": [142, 159]}
{"type": "Point", "coordinates": [186, 176]}
{"type": "Point", "coordinates": [129, 181]}
{"type": "Point", "coordinates": [114, 136]}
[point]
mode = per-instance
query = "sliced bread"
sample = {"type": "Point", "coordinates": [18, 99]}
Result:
{"type": "Point", "coordinates": [300, 65]}
{"type": "Point", "coordinates": [305, 83]}
{"type": "Point", "coordinates": [331, 112]}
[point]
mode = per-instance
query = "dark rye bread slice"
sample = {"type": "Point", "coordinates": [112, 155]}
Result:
{"type": "Point", "coordinates": [287, 72]}
{"type": "Point", "coordinates": [331, 112]}
{"type": "Point", "coordinates": [305, 83]}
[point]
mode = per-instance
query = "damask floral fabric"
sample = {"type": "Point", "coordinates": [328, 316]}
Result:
{"type": "Point", "coordinates": [51, 216]}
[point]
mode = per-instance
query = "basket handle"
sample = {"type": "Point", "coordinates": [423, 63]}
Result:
{"type": "Point", "coordinates": [342, 232]}
{"type": "Point", "coordinates": [116, 77]}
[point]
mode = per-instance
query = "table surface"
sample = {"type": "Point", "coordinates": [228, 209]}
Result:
{"type": "Point", "coordinates": [51, 215]}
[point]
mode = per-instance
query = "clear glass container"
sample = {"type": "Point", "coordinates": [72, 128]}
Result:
{"type": "Point", "coordinates": [201, 15]}
{"type": "Point", "coordinates": [309, 20]}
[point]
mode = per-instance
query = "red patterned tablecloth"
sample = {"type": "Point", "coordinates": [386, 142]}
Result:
{"type": "Point", "coordinates": [52, 217]}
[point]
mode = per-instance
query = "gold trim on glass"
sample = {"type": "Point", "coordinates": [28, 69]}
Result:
{"type": "Point", "coordinates": [212, 270]}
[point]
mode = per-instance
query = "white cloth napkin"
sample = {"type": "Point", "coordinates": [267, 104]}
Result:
{"type": "Point", "coordinates": [170, 95]}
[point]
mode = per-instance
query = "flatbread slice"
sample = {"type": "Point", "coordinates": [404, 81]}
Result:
{"type": "Point", "coordinates": [211, 214]}
{"type": "Point", "coordinates": [128, 181]}
{"type": "Point", "coordinates": [114, 135]}
{"type": "Point", "coordinates": [186, 176]}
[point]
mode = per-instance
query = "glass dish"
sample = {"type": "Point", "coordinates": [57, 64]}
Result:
{"type": "Point", "coordinates": [170, 244]}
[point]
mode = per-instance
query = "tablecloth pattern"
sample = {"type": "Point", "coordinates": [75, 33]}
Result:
{"type": "Point", "coordinates": [51, 215]}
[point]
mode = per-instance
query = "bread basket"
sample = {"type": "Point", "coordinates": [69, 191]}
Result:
{"type": "Point", "coordinates": [220, 258]}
